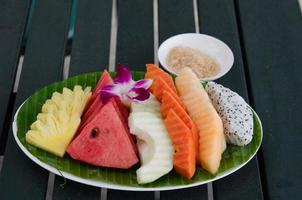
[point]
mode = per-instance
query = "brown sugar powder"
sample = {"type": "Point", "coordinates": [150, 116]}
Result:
{"type": "Point", "coordinates": [202, 65]}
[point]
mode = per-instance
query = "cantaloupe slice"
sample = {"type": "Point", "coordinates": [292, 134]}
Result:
{"type": "Point", "coordinates": [184, 158]}
{"type": "Point", "coordinates": [169, 102]}
{"type": "Point", "coordinates": [211, 137]}
{"type": "Point", "coordinates": [154, 72]}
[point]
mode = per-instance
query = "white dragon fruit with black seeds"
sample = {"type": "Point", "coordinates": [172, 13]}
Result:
{"type": "Point", "coordinates": [235, 113]}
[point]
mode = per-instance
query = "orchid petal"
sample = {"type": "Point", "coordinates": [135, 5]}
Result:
{"type": "Point", "coordinates": [143, 83]}
{"type": "Point", "coordinates": [109, 91]}
{"type": "Point", "coordinates": [123, 75]}
{"type": "Point", "coordinates": [139, 94]}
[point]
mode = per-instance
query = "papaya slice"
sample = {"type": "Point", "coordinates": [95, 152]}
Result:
{"type": "Point", "coordinates": [169, 102]}
{"type": "Point", "coordinates": [154, 72]}
{"type": "Point", "coordinates": [184, 158]}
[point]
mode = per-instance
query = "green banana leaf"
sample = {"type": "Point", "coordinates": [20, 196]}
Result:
{"type": "Point", "coordinates": [232, 157]}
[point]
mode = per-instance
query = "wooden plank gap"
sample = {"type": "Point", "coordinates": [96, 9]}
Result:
{"type": "Point", "coordinates": [210, 191]}
{"type": "Point", "coordinates": [155, 30]}
{"type": "Point", "coordinates": [18, 74]}
{"type": "Point", "coordinates": [66, 67]}
{"type": "Point", "coordinates": [157, 195]}
{"type": "Point", "coordinates": [103, 195]}
{"type": "Point", "coordinates": [50, 186]}
{"type": "Point", "coordinates": [113, 36]}
{"type": "Point", "coordinates": [196, 16]}
{"type": "Point", "coordinates": [1, 162]}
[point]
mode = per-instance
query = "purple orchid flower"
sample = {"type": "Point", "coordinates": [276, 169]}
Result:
{"type": "Point", "coordinates": [125, 88]}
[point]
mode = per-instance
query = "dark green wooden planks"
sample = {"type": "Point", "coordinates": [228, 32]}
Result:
{"type": "Point", "coordinates": [13, 16]}
{"type": "Point", "coordinates": [90, 48]}
{"type": "Point", "coordinates": [135, 34]}
{"type": "Point", "coordinates": [272, 35]}
{"type": "Point", "coordinates": [20, 177]}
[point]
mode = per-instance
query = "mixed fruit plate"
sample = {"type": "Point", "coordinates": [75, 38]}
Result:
{"type": "Point", "coordinates": [138, 130]}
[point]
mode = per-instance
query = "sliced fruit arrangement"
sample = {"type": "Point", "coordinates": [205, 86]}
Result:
{"type": "Point", "coordinates": [211, 143]}
{"type": "Point", "coordinates": [155, 122]}
{"type": "Point", "coordinates": [235, 113]}
{"type": "Point", "coordinates": [59, 120]}
{"type": "Point", "coordinates": [154, 144]}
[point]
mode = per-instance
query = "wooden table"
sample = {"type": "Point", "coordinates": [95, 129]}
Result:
{"type": "Point", "coordinates": [265, 36]}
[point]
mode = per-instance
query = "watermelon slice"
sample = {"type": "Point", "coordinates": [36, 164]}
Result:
{"type": "Point", "coordinates": [95, 103]}
{"type": "Point", "coordinates": [95, 106]}
{"type": "Point", "coordinates": [123, 112]}
{"type": "Point", "coordinates": [122, 108]}
{"type": "Point", "coordinates": [105, 141]}
{"type": "Point", "coordinates": [105, 79]}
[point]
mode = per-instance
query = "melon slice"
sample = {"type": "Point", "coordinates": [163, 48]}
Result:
{"type": "Point", "coordinates": [104, 141]}
{"type": "Point", "coordinates": [184, 159]}
{"type": "Point", "coordinates": [168, 103]}
{"type": "Point", "coordinates": [151, 105]}
{"type": "Point", "coordinates": [154, 145]}
{"type": "Point", "coordinates": [211, 137]}
{"type": "Point", "coordinates": [154, 72]}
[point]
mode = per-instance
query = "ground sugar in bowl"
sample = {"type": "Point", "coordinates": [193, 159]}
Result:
{"type": "Point", "coordinates": [203, 65]}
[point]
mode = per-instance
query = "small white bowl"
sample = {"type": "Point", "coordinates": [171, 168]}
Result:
{"type": "Point", "coordinates": [213, 47]}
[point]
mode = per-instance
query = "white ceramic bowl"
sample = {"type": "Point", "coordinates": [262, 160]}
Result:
{"type": "Point", "coordinates": [214, 47]}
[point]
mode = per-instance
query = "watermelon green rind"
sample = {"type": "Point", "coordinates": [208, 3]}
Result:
{"type": "Point", "coordinates": [232, 157]}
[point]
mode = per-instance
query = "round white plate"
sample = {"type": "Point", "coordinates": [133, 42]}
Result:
{"type": "Point", "coordinates": [104, 184]}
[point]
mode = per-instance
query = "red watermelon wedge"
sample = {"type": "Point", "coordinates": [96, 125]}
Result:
{"type": "Point", "coordinates": [104, 80]}
{"type": "Point", "coordinates": [123, 112]}
{"type": "Point", "coordinates": [93, 108]}
{"type": "Point", "coordinates": [104, 141]}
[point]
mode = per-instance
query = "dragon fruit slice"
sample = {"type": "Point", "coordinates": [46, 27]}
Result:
{"type": "Point", "coordinates": [235, 113]}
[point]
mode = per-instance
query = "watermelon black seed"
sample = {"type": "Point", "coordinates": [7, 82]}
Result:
{"type": "Point", "coordinates": [94, 133]}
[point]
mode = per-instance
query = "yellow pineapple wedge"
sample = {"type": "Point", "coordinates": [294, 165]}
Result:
{"type": "Point", "coordinates": [59, 120]}
{"type": "Point", "coordinates": [200, 108]}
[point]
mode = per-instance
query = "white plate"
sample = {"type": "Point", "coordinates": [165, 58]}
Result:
{"type": "Point", "coordinates": [214, 47]}
{"type": "Point", "coordinates": [103, 184]}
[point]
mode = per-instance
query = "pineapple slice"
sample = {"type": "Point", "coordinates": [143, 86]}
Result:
{"type": "Point", "coordinates": [59, 120]}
